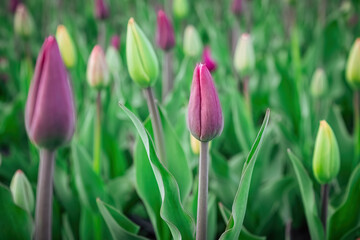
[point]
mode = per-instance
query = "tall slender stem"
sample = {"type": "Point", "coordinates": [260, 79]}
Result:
{"type": "Point", "coordinates": [324, 204]}
{"type": "Point", "coordinates": [357, 126]}
{"type": "Point", "coordinates": [97, 135]}
{"type": "Point", "coordinates": [102, 34]}
{"type": "Point", "coordinates": [246, 92]}
{"type": "Point", "coordinates": [156, 124]}
{"type": "Point", "coordinates": [43, 215]}
{"type": "Point", "coordinates": [201, 225]}
{"type": "Point", "coordinates": [167, 77]}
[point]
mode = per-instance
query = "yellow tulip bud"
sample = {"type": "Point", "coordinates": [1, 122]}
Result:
{"type": "Point", "coordinates": [353, 65]}
{"type": "Point", "coordinates": [66, 46]}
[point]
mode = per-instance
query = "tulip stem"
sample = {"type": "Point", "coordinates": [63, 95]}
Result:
{"type": "Point", "coordinates": [246, 91]}
{"type": "Point", "coordinates": [156, 124]}
{"type": "Point", "coordinates": [43, 215]}
{"type": "Point", "coordinates": [203, 192]}
{"type": "Point", "coordinates": [167, 77]}
{"type": "Point", "coordinates": [324, 204]}
{"type": "Point", "coordinates": [97, 135]}
{"type": "Point", "coordinates": [357, 125]}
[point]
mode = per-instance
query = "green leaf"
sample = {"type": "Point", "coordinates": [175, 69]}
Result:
{"type": "Point", "coordinates": [308, 198]}
{"type": "Point", "coordinates": [15, 223]}
{"type": "Point", "coordinates": [119, 225]}
{"type": "Point", "coordinates": [236, 220]}
{"type": "Point", "coordinates": [88, 184]}
{"type": "Point", "coordinates": [346, 216]}
{"type": "Point", "coordinates": [172, 211]}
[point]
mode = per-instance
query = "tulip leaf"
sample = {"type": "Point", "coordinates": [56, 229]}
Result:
{"type": "Point", "coordinates": [15, 223]}
{"type": "Point", "coordinates": [346, 216]}
{"type": "Point", "coordinates": [308, 198]}
{"type": "Point", "coordinates": [119, 225]}
{"type": "Point", "coordinates": [236, 219]}
{"type": "Point", "coordinates": [172, 211]}
{"type": "Point", "coordinates": [88, 184]}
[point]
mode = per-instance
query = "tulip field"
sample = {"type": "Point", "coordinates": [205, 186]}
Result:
{"type": "Point", "coordinates": [180, 119]}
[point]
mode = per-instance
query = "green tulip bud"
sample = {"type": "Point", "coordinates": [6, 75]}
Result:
{"type": "Point", "coordinates": [97, 71]}
{"type": "Point", "coordinates": [244, 57]}
{"type": "Point", "coordinates": [142, 62]}
{"type": "Point", "coordinates": [192, 42]}
{"type": "Point", "coordinates": [66, 46]}
{"type": "Point", "coordinates": [22, 192]}
{"type": "Point", "coordinates": [319, 85]}
{"type": "Point", "coordinates": [180, 8]}
{"type": "Point", "coordinates": [113, 60]}
{"type": "Point", "coordinates": [353, 65]}
{"type": "Point", "coordinates": [23, 22]}
{"type": "Point", "coordinates": [326, 159]}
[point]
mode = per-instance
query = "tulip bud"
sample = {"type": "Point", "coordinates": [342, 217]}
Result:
{"type": "Point", "coordinates": [21, 191]}
{"type": "Point", "coordinates": [244, 58]}
{"type": "Point", "coordinates": [23, 22]}
{"type": "Point", "coordinates": [326, 159]}
{"type": "Point", "coordinates": [66, 46]}
{"type": "Point", "coordinates": [113, 60]}
{"type": "Point", "coordinates": [165, 38]}
{"type": "Point", "coordinates": [353, 65]}
{"type": "Point", "coordinates": [205, 118]}
{"type": "Point", "coordinates": [236, 7]}
{"type": "Point", "coordinates": [192, 42]}
{"type": "Point", "coordinates": [97, 72]}
{"type": "Point", "coordinates": [180, 8]}
{"type": "Point", "coordinates": [319, 85]}
{"type": "Point", "coordinates": [208, 60]}
{"type": "Point", "coordinates": [142, 62]}
{"type": "Point", "coordinates": [13, 5]}
{"type": "Point", "coordinates": [101, 9]}
{"type": "Point", "coordinates": [49, 113]}
{"type": "Point", "coordinates": [115, 41]}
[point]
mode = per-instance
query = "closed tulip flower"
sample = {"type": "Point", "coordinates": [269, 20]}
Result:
{"type": "Point", "coordinates": [142, 62]}
{"type": "Point", "coordinates": [23, 22]}
{"type": "Point", "coordinates": [22, 192]}
{"type": "Point", "coordinates": [319, 85]}
{"type": "Point", "coordinates": [165, 38]}
{"type": "Point", "coordinates": [205, 119]}
{"type": "Point", "coordinates": [49, 114]}
{"type": "Point", "coordinates": [244, 57]}
{"type": "Point", "coordinates": [66, 46]}
{"type": "Point", "coordinates": [97, 72]}
{"type": "Point", "coordinates": [192, 42]}
{"type": "Point", "coordinates": [115, 42]}
{"type": "Point", "coordinates": [180, 8]}
{"type": "Point", "coordinates": [101, 9]}
{"type": "Point", "coordinates": [13, 5]}
{"type": "Point", "coordinates": [326, 159]}
{"type": "Point", "coordinates": [208, 60]}
{"type": "Point", "coordinates": [353, 65]}
{"type": "Point", "coordinates": [236, 6]}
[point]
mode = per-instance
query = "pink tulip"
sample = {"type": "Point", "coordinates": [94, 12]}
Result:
{"type": "Point", "coordinates": [208, 60]}
{"type": "Point", "coordinates": [115, 41]}
{"type": "Point", "coordinates": [165, 38]}
{"type": "Point", "coordinates": [237, 7]}
{"type": "Point", "coordinates": [101, 9]}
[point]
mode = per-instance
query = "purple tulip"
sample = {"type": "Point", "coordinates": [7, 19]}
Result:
{"type": "Point", "coordinates": [101, 9]}
{"type": "Point", "coordinates": [49, 113]}
{"type": "Point", "coordinates": [205, 119]}
{"type": "Point", "coordinates": [237, 7]}
{"type": "Point", "coordinates": [208, 60]}
{"type": "Point", "coordinates": [165, 38]}
{"type": "Point", "coordinates": [13, 5]}
{"type": "Point", "coordinates": [115, 41]}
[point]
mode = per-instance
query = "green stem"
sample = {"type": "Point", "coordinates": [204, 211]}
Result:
{"type": "Point", "coordinates": [43, 215]}
{"type": "Point", "coordinates": [97, 135]}
{"type": "Point", "coordinates": [246, 92]}
{"type": "Point", "coordinates": [356, 126]}
{"type": "Point", "coordinates": [167, 74]}
{"type": "Point", "coordinates": [203, 192]}
{"type": "Point", "coordinates": [156, 124]}
{"type": "Point", "coordinates": [324, 204]}
{"type": "Point", "coordinates": [102, 34]}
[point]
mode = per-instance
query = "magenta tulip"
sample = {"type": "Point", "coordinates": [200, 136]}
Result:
{"type": "Point", "coordinates": [115, 41]}
{"type": "Point", "coordinates": [208, 60]}
{"type": "Point", "coordinates": [49, 113]}
{"type": "Point", "coordinates": [205, 119]}
{"type": "Point", "coordinates": [237, 7]}
{"type": "Point", "coordinates": [13, 5]}
{"type": "Point", "coordinates": [165, 38]}
{"type": "Point", "coordinates": [101, 9]}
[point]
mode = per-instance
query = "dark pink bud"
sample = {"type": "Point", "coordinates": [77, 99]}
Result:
{"type": "Point", "coordinates": [49, 113]}
{"type": "Point", "coordinates": [101, 9]}
{"type": "Point", "coordinates": [115, 41]}
{"type": "Point", "coordinates": [165, 38]}
{"type": "Point", "coordinates": [208, 60]}
{"type": "Point", "coordinates": [13, 5]}
{"type": "Point", "coordinates": [205, 118]}
{"type": "Point", "coordinates": [236, 7]}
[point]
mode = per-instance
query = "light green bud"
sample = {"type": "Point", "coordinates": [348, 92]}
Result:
{"type": "Point", "coordinates": [353, 65]}
{"type": "Point", "coordinates": [244, 57]}
{"type": "Point", "coordinates": [319, 84]}
{"type": "Point", "coordinates": [192, 42]}
{"type": "Point", "coordinates": [21, 191]}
